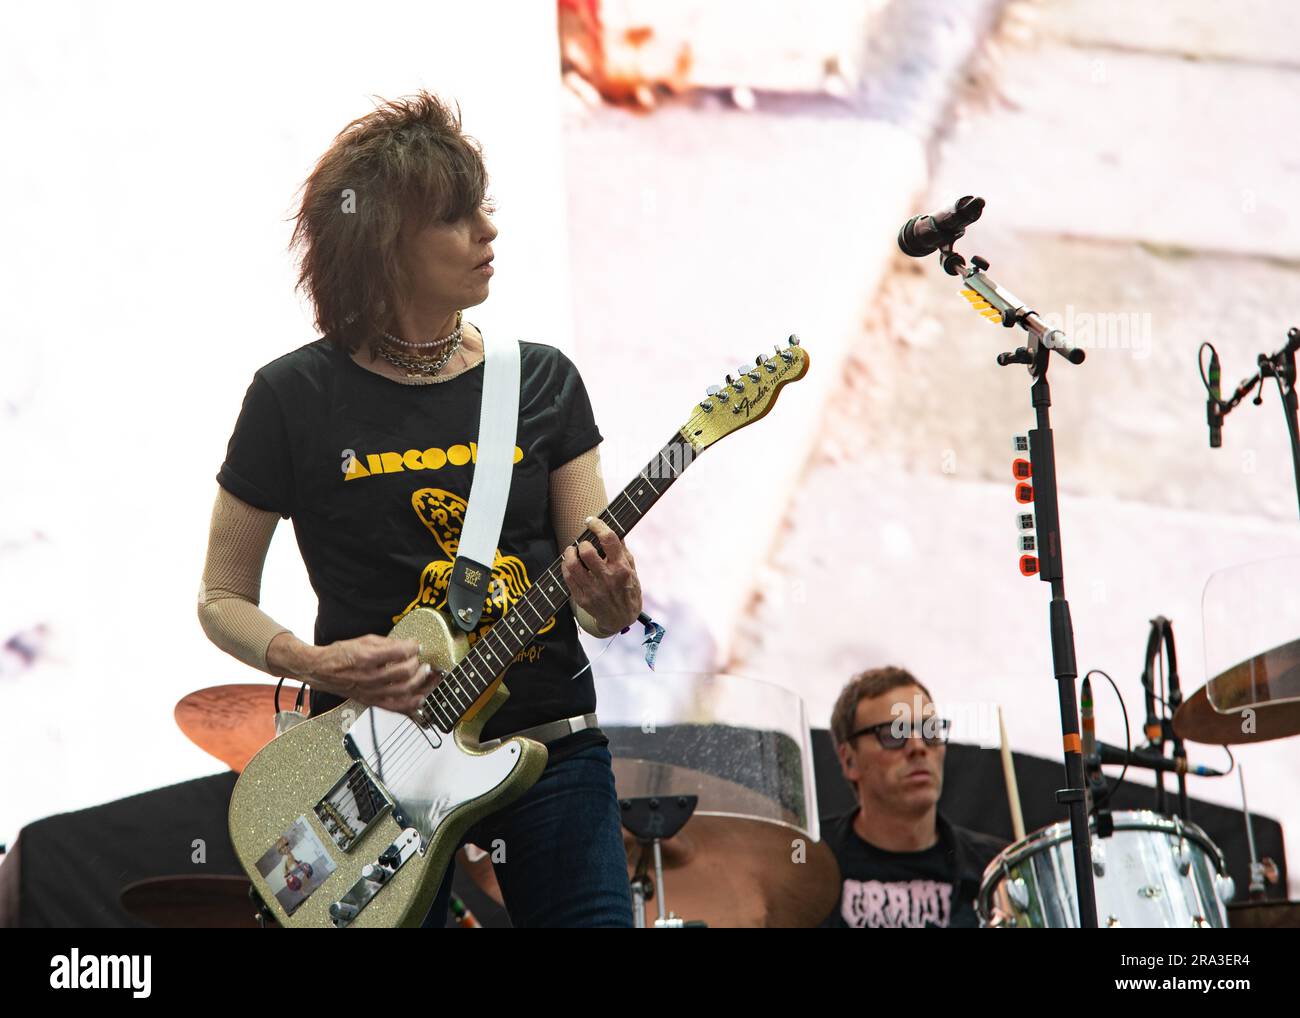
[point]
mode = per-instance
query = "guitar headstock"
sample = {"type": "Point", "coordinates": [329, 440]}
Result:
{"type": "Point", "coordinates": [745, 396]}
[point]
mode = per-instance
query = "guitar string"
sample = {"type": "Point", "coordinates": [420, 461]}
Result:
{"type": "Point", "coordinates": [408, 735]}
{"type": "Point", "coordinates": [402, 745]}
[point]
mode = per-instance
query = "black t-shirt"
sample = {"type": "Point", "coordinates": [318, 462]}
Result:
{"type": "Point", "coordinates": [376, 474]}
{"type": "Point", "coordinates": [933, 888]}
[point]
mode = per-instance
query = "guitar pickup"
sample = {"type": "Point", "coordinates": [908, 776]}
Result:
{"type": "Point", "coordinates": [355, 802]}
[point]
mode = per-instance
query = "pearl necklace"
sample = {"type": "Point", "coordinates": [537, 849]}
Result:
{"type": "Point", "coordinates": [421, 370]}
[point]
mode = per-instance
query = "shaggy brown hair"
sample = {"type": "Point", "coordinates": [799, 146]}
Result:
{"type": "Point", "coordinates": [401, 167]}
{"type": "Point", "coordinates": [866, 685]}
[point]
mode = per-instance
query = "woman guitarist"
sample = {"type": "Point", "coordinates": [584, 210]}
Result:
{"type": "Point", "coordinates": [365, 438]}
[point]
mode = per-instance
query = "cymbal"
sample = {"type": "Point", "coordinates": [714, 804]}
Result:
{"type": "Point", "coordinates": [1197, 721]}
{"type": "Point", "coordinates": [738, 872]}
{"type": "Point", "coordinates": [728, 866]}
{"type": "Point", "coordinates": [231, 722]}
{"type": "Point", "coordinates": [191, 902]}
{"type": "Point", "coordinates": [1264, 915]}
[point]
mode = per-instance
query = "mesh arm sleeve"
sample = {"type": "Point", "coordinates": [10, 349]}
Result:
{"type": "Point", "coordinates": [238, 540]}
{"type": "Point", "coordinates": [577, 491]}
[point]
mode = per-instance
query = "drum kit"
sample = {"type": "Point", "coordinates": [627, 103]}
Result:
{"type": "Point", "coordinates": [1155, 868]}
{"type": "Point", "coordinates": [715, 779]}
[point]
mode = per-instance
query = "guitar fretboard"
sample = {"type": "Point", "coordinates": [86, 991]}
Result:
{"type": "Point", "coordinates": [495, 649]}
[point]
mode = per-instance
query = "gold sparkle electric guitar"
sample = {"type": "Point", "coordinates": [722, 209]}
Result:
{"type": "Point", "coordinates": [351, 818]}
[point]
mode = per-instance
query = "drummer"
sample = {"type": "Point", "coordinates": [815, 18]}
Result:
{"type": "Point", "coordinates": [902, 863]}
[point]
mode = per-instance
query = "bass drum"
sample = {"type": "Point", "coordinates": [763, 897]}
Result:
{"type": "Point", "coordinates": [1153, 872]}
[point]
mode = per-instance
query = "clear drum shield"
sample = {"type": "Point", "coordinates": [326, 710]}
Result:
{"type": "Point", "coordinates": [1251, 616]}
{"type": "Point", "coordinates": [742, 745]}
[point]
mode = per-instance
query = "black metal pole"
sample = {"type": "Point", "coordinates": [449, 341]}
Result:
{"type": "Point", "coordinates": [1289, 407]}
{"type": "Point", "coordinates": [1048, 526]}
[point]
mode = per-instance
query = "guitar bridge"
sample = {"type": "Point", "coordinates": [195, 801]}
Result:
{"type": "Point", "coordinates": [355, 802]}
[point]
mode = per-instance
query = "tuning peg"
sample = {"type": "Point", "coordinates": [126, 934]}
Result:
{"type": "Point", "coordinates": [713, 390]}
{"type": "Point", "coordinates": [758, 359]}
{"type": "Point", "coordinates": [794, 340]}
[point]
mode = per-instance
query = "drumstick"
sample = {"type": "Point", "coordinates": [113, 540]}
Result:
{"type": "Point", "coordinates": [1009, 774]}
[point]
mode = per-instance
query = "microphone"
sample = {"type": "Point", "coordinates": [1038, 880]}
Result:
{"type": "Point", "coordinates": [1108, 754]}
{"type": "Point", "coordinates": [1213, 415]}
{"type": "Point", "coordinates": [1092, 772]}
{"type": "Point", "coordinates": [923, 235]}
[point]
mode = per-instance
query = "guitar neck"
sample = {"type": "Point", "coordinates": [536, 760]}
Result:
{"type": "Point", "coordinates": [496, 648]}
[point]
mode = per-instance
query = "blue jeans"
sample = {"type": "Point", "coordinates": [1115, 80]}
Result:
{"type": "Point", "coordinates": [562, 840]}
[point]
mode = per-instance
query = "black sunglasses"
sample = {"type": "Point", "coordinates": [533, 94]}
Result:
{"type": "Point", "coordinates": [932, 730]}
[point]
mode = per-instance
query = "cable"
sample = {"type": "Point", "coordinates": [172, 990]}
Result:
{"type": "Point", "coordinates": [1205, 379]}
{"type": "Point", "coordinates": [1128, 738]}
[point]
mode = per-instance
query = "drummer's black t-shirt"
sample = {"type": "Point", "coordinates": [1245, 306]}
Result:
{"type": "Point", "coordinates": [934, 888]}
{"type": "Point", "coordinates": [376, 474]}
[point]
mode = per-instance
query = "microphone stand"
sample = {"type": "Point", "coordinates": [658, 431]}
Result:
{"type": "Point", "coordinates": [1281, 366]}
{"type": "Point", "coordinates": [1043, 341]}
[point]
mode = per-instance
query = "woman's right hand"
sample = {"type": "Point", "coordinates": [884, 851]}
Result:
{"type": "Point", "coordinates": [377, 671]}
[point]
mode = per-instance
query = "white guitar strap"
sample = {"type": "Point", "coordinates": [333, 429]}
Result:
{"type": "Point", "coordinates": [493, 468]}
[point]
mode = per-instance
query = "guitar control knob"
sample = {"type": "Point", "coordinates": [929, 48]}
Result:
{"type": "Point", "coordinates": [378, 874]}
{"type": "Point", "coordinates": [341, 911]}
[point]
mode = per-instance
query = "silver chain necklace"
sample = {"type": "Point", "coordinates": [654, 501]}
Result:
{"type": "Point", "coordinates": [423, 369]}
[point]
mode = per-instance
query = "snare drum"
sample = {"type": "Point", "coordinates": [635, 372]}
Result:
{"type": "Point", "coordinates": [1153, 872]}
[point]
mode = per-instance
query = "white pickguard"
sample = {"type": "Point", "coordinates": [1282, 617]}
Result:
{"type": "Point", "coordinates": [427, 773]}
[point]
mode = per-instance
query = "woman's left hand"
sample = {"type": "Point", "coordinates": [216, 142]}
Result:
{"type": "Point", "coordinates": [603, 582]}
